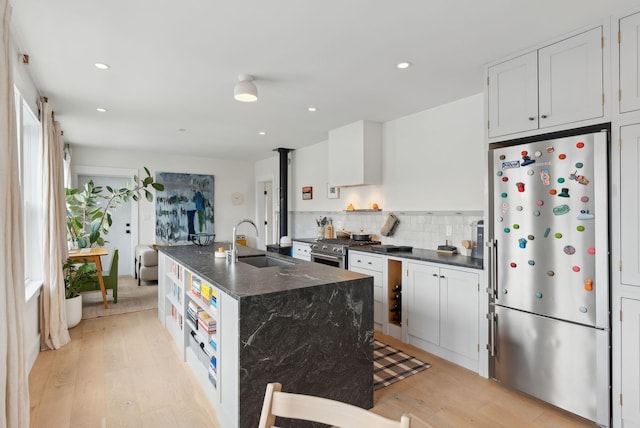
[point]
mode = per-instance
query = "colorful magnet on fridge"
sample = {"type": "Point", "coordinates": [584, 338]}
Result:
{"type": "Point", "coordinates": [536, 213]}
{"type": "Point", "coordinates": [588, 284]}
{"type": "Point", "coordinates": [562, 156]}
{"type": "Point", "coordinates": [516, 226]}
{"type": "Point", "coordinates": [506, 230]}
{"type": "Point", "coordinates": [531, 237]}
{"type": "Point", "coordinates": [505, 179]}
{"type": "Point", "coordinates": [550, 273]}
{"type": "Point", "coordinates": [569, 249]}
{"type": "Point", "coordinates": [522, 243]}
{"type": "Point", "coordinates": [499, 219]}
{"type": "Point", "coordinates": [499, 173]}
{"type": "Point", "coordinates": [553, 191]}
{"type": "Point", "coordinates": [585, 215]}
{"type": "Point", "coordinates": [564, 193]}
{"type": "Point", "coordinates": [505, 291]}
{"type": "Point", "coordinates": [546, 231]}
{"type": "Point", "coordinates": [560, 180]}
{"type": "Point", "coordinates": [580, 228]}
{"type": "Point", "coordinates": [530, 172]}
{"type": "Point", "coordinates": [504, 194]}
{"type": "Point", "coordinates": [583, 309]}
{"type": "Point", "coordinates": [519, 208]}
{"type": "Point", "coordinates": [575, 268]}
{"type": "Point", "coordinates": [579, 164]}
{"type": "Point", "coordinates": [524, 153]}
{"type": "Point", "coordinates": [584, 199]}
{"type": "Point", "coordinates": [520, 186]}
{"type": "Point", "coordinates": [526, 160]}
{"type": "Point", "coordinates": [545, 177]}
{"type": "Point", "coordinates": [539, 202]}
{"type": "Point", "coordinates": [591, 251]}
{"type": "Point", "coordinates": [538, 153]}
{"type": "Point", "coordinates": [558, 235]}
{"type": "Point", "coordinates": [505, 207]}
{"type": "Point", "coordinates": [538, 295]}
{"type": "Point", "coordinates": [561, 209]}
{"type": "Point", "coordinates": [531, 262]}
{"type": "Point", "coordinates": [550, 149]}
{"type": "Point", "coordinates": [579, 178]}
{"type": "Point", "coordinates": [579, 144]}
{"type": "Point", "coordinates": [502, 157]}
{"type": "Point", "coordinates": [513, 264]}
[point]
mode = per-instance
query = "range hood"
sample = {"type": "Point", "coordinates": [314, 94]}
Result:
{"type": "Point", "coordinates": [355, 154]}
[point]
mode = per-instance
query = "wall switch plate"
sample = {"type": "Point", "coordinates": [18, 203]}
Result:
{"type": "Point", "coordinates": [449, 230]}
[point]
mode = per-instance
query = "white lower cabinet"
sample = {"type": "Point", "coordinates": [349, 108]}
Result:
{"type": "Point", "coordinates": [301, 250]}
{"type": "Point", "coordinates": [630, 355]}
{"type": "Point", "coordinates": [369, 264]}
{"type": "Point", "coordinates": [442, 315]}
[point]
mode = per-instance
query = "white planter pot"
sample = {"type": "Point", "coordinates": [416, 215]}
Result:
{"type": "Point", "coordinates": [73, 309]}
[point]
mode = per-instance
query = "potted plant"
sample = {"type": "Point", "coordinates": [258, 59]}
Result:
{"type": "Point", "coordinates": [75, 276]}
{"type": "Point", "coordinates": [89, 210]}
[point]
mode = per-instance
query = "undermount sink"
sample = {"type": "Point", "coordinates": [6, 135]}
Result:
{"type": "Point", "coordinates": [264, 261]}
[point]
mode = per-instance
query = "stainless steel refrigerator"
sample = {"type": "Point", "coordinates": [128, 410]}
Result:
{"type": "Point", "coordinates": [549, 272]}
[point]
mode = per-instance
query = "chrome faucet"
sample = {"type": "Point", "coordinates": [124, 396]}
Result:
{"type": "Point", "coordinates": [234, 249]}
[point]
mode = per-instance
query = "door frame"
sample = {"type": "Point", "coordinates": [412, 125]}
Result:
{"type": "Point", "coordinates": [126, 173]}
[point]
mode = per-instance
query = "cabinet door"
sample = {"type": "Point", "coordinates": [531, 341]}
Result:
{"type": "Point", "coordinates": [377, 294]}
{"type": "Point", "coordinates": [513, 95]}
{"type": "Point", "coordinates": [459, 312]}
{"type": "Point", "coordinates": [630, 63]}
{"type": "Point", "coordinates": [570, 78]}
{"type": "Point", "coordinates": [423, 302]}
{"type": "Point", "coordinates": [302, 251]}
{"type": "Point", "coordinates": [630, 204]}
{"type": "Point", "coordinates": [630, 352]}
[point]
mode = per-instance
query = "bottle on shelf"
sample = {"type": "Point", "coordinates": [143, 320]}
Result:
{"type": "Point", "coordinates": [396, 308]}
{"type": "Point", "coordinates": [397, 288]}
{"type": "Point", "coordinates": [396, 296]}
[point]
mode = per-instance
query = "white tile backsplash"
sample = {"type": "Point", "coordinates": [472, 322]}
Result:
{"type": "Point", "coordinates": [418, 229]}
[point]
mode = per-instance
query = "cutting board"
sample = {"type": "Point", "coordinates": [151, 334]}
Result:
{"type": "Point", "coordinates": [385, 248]}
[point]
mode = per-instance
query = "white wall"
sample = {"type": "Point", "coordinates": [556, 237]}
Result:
{"type": "Point", "coordinates": [230, 177]}
{"type": "Point", "coordinates": [432, 160]}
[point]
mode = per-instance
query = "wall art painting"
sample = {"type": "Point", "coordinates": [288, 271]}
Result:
{"type": "Point", "coordinates": [184, 207]}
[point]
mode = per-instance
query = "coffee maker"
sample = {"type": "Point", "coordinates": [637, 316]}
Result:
{"type": "Point", "coordinates": [477, 251]}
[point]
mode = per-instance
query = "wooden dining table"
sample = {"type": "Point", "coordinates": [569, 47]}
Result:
{"type": "Point", "coordinates": [92, 255]}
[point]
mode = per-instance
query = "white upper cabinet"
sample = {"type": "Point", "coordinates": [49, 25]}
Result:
{"type": "Point", "coordinates": [513, 95]}
{"type": "Point", "coordinates": [571, 85]}
{"type": "Point", "coordinates": [558, 84]}
{"type": "Point", "coordinates": [630, 204]}
{"type": "Point", "coordinates": [630, 63]}
{"type": "Point", "coordinates": [355, 154]}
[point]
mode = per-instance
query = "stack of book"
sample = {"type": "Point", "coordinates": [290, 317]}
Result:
{"type": "Point", "coordinates": [213, 371]}
{"type": "Point", "coordinates": [207, 323]}
{"type": "Point", "coordinates": [195, 286]}
{"type": "Point", "coordinates": [192, 312]}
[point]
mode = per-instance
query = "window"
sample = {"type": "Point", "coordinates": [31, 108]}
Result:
{"type": "Point", "coordinates": [31, 185]}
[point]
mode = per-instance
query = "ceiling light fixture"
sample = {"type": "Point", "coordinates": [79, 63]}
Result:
{"type": "Point", "coordinates": [101, 110]}
{"type": "Point", "coordinates": [403, 65]}
{"type": "Point", "coordinates": [101, 66]}
{"type": "Point", "coordinates": [312, 109]}
{"type": "Point", "coordinates": [262, 133]}
{"type": "Point", "coordinates": [245, 90]}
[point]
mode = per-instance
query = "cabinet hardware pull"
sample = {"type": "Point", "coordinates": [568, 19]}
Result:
{"type": "Point", "coordinates": [544, 116]}
{"type": "Point", "coordinates": [435, 274]}
{"type": "Point", "coordinates": [442, 276]}
{"type": "Point", "coordinates": [532, 118]}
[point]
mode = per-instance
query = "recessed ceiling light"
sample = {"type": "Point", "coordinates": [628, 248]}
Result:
{"type": "Point", "coordinates": [101, 110]}
{"type": "Point", "coordinates": [312, 109]}
{"type": "Point", "coordinates": [262, 133]}
{"type": "Point", "coordinates": [102, 66]}
{"type": "Point", "coordinates": [403, 65]}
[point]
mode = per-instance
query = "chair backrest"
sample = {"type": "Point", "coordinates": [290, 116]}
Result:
{"type": "Point", "coordinates": [113, 269]}
{"type": "Point", "coordinates": [323, 410]}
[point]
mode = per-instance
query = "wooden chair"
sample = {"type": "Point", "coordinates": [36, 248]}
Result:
{"type": "Point", "coordinates": [110, 281]}
{"type": "Point", "coordinates": [323, 410]}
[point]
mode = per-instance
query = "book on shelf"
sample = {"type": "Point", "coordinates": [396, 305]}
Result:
{"type": "Point", "coordinates": [205, 292]}
{"type": "Point", "coordinates": [195, 285]}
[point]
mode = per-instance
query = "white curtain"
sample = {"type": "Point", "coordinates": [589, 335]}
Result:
{"type": "Point", "coordinates": [67, 165]}
{"type": "Point", "coordinates": [14, 389]}
{"type": "Point", "coordinates": [54, 235]}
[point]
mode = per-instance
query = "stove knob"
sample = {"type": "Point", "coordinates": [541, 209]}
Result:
{"type": "Point", "coordinates": [324, 247]}
{"type": "Point", "coordinates": [335, 250]}
{"type": "Point", "coordinates": [340, 250]}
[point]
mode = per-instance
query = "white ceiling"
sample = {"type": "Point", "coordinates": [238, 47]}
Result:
{"type": "Point", "coordinates": [174, 64]}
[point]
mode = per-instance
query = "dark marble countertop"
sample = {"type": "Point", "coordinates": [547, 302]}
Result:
{"type": "Point", "coordinates": [428, 256]}
{"type": "Point", "coordinates": [243, 280]}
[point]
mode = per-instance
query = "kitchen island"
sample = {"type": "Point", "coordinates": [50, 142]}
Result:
{"type": "Point", "coordinates": [305, 325]}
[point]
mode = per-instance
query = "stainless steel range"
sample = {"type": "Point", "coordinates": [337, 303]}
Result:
{"type": "Point", "coordinates": [334, 252]}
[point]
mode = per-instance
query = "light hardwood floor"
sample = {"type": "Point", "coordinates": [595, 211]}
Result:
{"type": "Point", "coordinates": [125, 371]}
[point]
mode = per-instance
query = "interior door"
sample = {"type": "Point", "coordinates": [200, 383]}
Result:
{"type": "Point", "coordinates": [120, 231]}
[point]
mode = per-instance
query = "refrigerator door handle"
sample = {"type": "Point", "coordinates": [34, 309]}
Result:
{"type": "Point", "coordinates": [491, 346]}
{"type": "Point", "coordinates": [493, 269]}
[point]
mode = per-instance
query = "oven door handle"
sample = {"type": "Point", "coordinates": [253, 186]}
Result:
{"type": "Point", "coordinates": [325, 257]}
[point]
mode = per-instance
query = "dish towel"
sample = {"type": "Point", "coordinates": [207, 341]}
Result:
{"type": "Point", "coordinates": [389, 225]}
